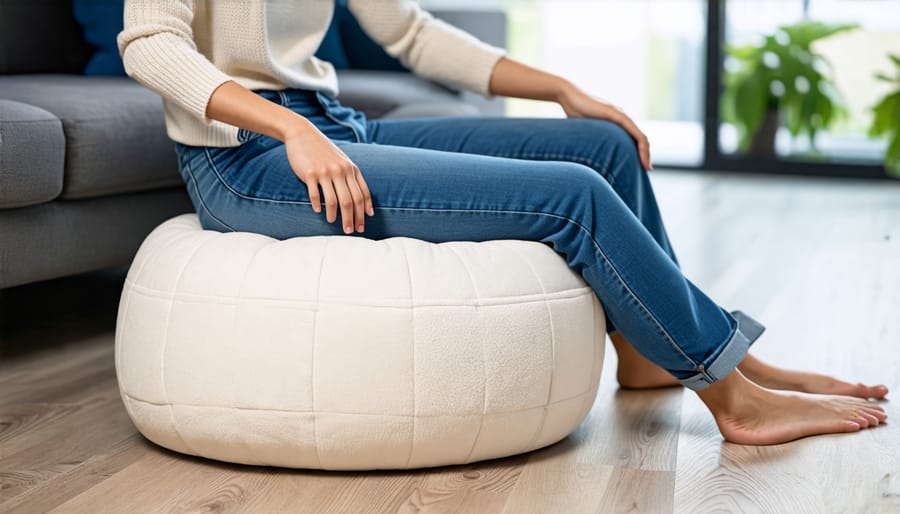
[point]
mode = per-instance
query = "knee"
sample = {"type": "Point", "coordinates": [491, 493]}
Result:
{"type": "Point", "coordinates": [617, 139]}
{"type": "Point", "coordinates": [612, 149]}
{"type": "Point", "coordinates": [582, 183]}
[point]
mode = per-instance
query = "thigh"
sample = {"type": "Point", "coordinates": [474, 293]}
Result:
{"type": "Point", "coordinates": [599, 144]}
{"type": "Point", "coordinates": [426, 194]}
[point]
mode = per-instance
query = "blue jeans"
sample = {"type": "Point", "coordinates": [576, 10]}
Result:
{"type": "Point", "coordinates": [575, 184]}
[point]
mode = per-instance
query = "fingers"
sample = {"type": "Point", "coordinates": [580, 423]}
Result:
{"type": "Point", "coordinates": [344, 191]}
{"type": "Point", "coordinates": [331, 200]}
{"type": "Point", "coordinates": [312, 187]}
{"type": "Point", "coordinates": [359, 200]}
{"type": "Point", "coordinates": [352, 205]}
{"type": "Point", "coordinates": [364, 187]}
{"type": "Point", "coordinates": [643, 143]}
{"type": "Point", "coordinates": [345, 203]}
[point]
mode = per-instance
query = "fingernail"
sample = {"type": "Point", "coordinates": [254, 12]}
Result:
{"type": "Point", "coordinates": [371, 211]}
{"type": "Point", "coordinates": [359, 228]}
{"type": "Point", "coordinates": [348, 230]}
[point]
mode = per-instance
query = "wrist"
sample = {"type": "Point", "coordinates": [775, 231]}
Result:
{"type": "Point", "coordinates": [563, 90]}
{"type": "Point", "coordinates": [292, 125]}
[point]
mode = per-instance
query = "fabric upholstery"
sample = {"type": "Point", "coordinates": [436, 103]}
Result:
{"type": "Point", "coordinates": [101, 21]}
{"type": "Point", "coordinates": [331, 48]}
{"type": "Point", "coordinates": [40, 36]}
{"type": "Point", "coordinates": [342, 352]}
{"type": "Point", "coordinates": [346, 45]}
{"type": "Point", "coordinates": [433, 109]}
{"type": "Point", "coordinates": [32, 153]}
{"type": "Point", "coordinates": [115, 132]}
{"type": "Point", "coordinates": [62, 238]}
{"type": "Point", "coordinates": [377, 93]}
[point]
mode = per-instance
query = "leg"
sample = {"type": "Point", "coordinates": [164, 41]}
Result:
{"type": "Point", "coordinates": [609, 150]}
{"type": "Point", "coordinates": [440, 197]}
{"type": "Point", "coordinates": [603, 146]}
{"type": "Point", "coordinates": [749, 414]}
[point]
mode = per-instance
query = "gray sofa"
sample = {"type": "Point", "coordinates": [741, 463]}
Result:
{"type": "Point", "coordinates": [86, 169]}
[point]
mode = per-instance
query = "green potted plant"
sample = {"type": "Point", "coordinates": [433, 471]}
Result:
{"type": "Point", "coordinates": [781, 80]}
{"type": "Point", "coordinates": [887, 120]}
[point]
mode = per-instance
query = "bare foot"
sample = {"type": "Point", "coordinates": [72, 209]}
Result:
{"type": "Point", "coordinates": [635, 371]}
{"type": "Point", "coordinates": [748, 414]}
{"type": "Point", "coordinates": [772, 377]}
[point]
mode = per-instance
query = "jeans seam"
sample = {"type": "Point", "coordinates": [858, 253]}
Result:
{"type": "Point", "coordinates": [203, 205]}
{"type": "Point", "coordinates": [591, 163]}
{"type": "Point", "coordinates": [662, 331]}
{"type": "Point", "coordinates": [228, 186]}
{"type": "Point", "coordinates": [341, 123]}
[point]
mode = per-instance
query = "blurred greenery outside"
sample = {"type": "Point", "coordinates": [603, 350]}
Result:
{"type": "Point", "coordinates": [855, 56]}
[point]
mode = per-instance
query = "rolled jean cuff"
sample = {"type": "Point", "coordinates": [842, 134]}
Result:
{"type": "Point", "coordinates": [747, 330]}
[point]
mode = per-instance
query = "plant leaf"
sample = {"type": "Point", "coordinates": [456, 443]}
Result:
{"type": "Point", "coordinates": [887, 115]}
{"type": "Point", "coordinates": [744, 53]}
{"type": "Point", "coordinates": [892, 156]}
{"type": "Point", "coordinates": [895, 58]}
{"type": "Point", "coordinates": [803, 34]}
{"type": "Point", "coordinates": [750, 106]}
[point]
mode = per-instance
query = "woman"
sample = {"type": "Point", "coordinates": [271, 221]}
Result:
{"type": "Point", "coordinates": [263, 144]}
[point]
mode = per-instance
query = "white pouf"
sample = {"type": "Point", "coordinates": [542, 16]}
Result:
{"type": "Point", "coordinates": [345, 353]}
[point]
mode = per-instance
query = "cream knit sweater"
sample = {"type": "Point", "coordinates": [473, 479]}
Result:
{"type": "Point", "coordinates": [185, 49]}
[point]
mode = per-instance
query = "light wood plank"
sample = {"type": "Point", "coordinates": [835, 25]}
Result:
{"type": "Point", "coordinates": [821, 281]}
{"type": "Point", "coordinates": [50, 493]}
{"type": "Point", "coordinates": [627, 434]}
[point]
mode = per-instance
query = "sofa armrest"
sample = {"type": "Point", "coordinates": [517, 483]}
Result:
{"type": "Point", "coordinates": [32, 155]}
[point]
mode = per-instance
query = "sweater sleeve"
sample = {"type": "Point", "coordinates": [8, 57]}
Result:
{"type": "Point", "coordinates": [159, 51]}
{"type": "Point", "coordinates": [430, 47]}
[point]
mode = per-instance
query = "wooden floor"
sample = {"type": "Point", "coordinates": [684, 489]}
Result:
{"type": "Point", "coordinates": [817, 261]}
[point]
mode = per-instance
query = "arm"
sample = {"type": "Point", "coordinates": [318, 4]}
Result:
{"type": "Point", "coordinates": [441, 52]}
{"type": "Point", "coordinates": [316, 161]}
{"type": "Point", "coordinates": [512, 78]}
{"type": "Point", "coordinates": [158, 50]}
{"type": "Point", "coordinates": [429, 47]}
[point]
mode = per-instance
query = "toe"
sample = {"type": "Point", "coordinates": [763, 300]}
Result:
{"type": "Point", "coordinates": [860, 420]}
{"type": "Point", "coordinates": [878, 391]}
{"type": "Point", "coordinates": [850, 426]}
{"type": "Point", "coordinates": [870, 419]}
{"type": "Point", "coordinates": [865, 391]}
{"type": "Point", "coordinates": [877, 412]}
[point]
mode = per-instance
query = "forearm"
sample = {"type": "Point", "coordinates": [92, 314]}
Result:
{"type": "Point", "coordinates": [512, 78]}
{"type": "Point", "coordinates": [236, 105]}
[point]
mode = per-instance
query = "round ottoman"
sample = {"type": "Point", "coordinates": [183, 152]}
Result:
{"type": "Point", "coordinates": [346, 353]}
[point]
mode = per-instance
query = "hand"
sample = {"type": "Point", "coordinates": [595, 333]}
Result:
{"type": "Point", "coordinates": [319, 163]}
{"type": "Point", "coordinates": [578, 104]}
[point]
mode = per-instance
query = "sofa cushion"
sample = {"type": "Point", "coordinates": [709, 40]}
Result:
{"type": "Point", "coordinates": [115, 131]}
{"type": "Point", "coordinates": [32, 153]}
{"type": "Point", "coordinates": [362, 52]}
{"type": "Point", "coordinates": [453, 108]}
{"type": "Point", "coordinates": [101, 21]}
{"type": "Point", "coordinates": [40, 37]}
{"type": "Point", "coordinates": [377, 93]}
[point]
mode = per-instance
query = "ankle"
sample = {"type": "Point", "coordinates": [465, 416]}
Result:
{"type": "Point", "coordinates": [730, 395]}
